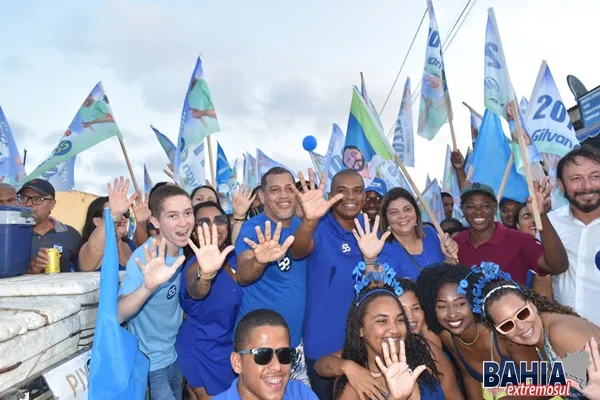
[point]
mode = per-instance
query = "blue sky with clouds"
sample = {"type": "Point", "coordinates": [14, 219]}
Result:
{"type": "Point", "coordinates": [277, 70]}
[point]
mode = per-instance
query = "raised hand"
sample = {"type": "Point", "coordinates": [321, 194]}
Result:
{"type": "Point", "coordinates": [542, 196]}
{"type": "Point", "coordinates": [369, 244]}
{"type": "Point", "coordinates": [118, 201]}
{"type": "Point", "coordinates": [242, 202]}
{"type": "Point", "coordinates": [268, 248]}
{"type": "Point", "coordinates": [155, 269]}
{"type": "Point", "coordinates": [364, 383]}
{"type": "Point", "coordinates": [312, 199]}
{"type": "Point", "coordinates": [449, 248]}
{"type": "Point", "coordinates": [401, 381]}
{"type": "Point", "coordinates": [592, 388]}
{"type": "Point", "coordinates": [210, 257]}
{"type": "Point", "coordinates": [141, 210]}
{"type": "Point", "coordinates": [457, 160]}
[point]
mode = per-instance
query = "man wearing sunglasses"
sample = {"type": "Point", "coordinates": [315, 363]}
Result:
{"type": "Point", "coordinates": [39, 196]}
{"type": "Point", "coordinates": [262, 358]}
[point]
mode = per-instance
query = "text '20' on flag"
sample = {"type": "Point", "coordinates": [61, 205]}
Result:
{"type": "Point", "coordinates": [93, 123]}
{"type": "Point", "coordinates": [403, 142]}
{"type": "Point", "coordinates": [11, 164]}
{"type": "Point", "coordinates": [118, 370]}
{"type": "Point", "coordinates": [434, 109]}
{"type": "Point", "coordinates": [198, 120]}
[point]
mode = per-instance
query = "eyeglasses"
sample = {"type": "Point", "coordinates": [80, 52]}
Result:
{"type": "Point", "coordinates": [100, 214]}
{"type": "Point", "coordinates": [264, 355]}
{"type": "Point", "coordinates": [36, 201]}
{"type": "Point", "coordinates": [509, 325]}
{"type": "Point", "coordinates": [218, 220]}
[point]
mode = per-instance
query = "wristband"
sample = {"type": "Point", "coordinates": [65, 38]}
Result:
{"type": "Point", "coordinates": [371, 262]}
{"type": "Point", "coordinates": [204, 277]}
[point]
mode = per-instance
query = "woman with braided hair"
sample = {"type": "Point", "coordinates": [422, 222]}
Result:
{"type": "Point", "coordinates": [463, 333]}
{"type": "Point", "coordinates": [528, 319]}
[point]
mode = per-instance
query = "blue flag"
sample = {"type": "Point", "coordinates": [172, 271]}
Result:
{"type": "Point", "coordinates": [264, 163]}
{"type": "Point", "coordinates": [147, 181]}
{"type": "Point", "coordinates": [118, 370]}
{"type": "Point", "coordinates": [490, 157]}
{"type": "Point", "coordinates": [62, 177]}
{"type": "Point", "coordinates": [223, 167]}
{"type": "Point", "coordinates": [403, 132]}
{"type": "Point", "coordinates": [166, 144]}
{"type": "Point", "coordinates": [11, 165]}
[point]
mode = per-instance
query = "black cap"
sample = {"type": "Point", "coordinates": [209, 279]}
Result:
{"type": "Point", "coordinates": [477, 188]}
{"type": "Point", "coordinates": [40, 186]}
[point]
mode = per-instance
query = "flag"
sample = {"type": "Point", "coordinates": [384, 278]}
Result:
{"type": "Point", "coordinates": [118, 370]}
{"type": "Point", "coordinates": [427, 181]}
{"type": "Point", "coordinates": [11, 164]}
{"type": "Point", "coordinates": [318, 162]}
{"type": "Point", "coordinates": [250, 171]}
{"type": "Point", "coordinates": [548, 118]}
{"type": "Point", "coordinates": [147, 181]}
{"type": "Point", "coordinates": [433, 197]}
{"type": "Point", "coordinates": [368, 102]}
{"type": "Point", "coordinates": [223, 169]}
{"type": "Point", "coordinates": [265, 163]}
{"type": "Point", "coordinates": [403, 142]}
{"type": "Point", "coordinates": [198, 120]}
{"type": "Point", "coordinates": [450, 180]}
{"type": "Point", "coordinates": [490, 158]}
{"type": "Point", "coordinates": [166, 144]}
{"type": "Point", "coordinates": [433, 111]}
{"type": "Point", "coordinates": [389, 172]}
{"type": "Point", "coordinates": [93, 123]}
{"type": "Point", "coordinates": [498, 92]}
{"type": "Point", "coordinates": [334, 162]}
{"type": "Point", "coordinates": [62, 177]}
{"type": "Point", "coordinates": [475, 125]}
{"type": "Point", "coordinates": [523, 105]}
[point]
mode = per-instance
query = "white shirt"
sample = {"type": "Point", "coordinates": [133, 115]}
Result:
{"type": "Point", "coordinates": [579, 287]}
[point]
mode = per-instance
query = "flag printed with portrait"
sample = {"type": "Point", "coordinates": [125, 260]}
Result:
{"type": "Point", "coordinates": [318, 162]}
{"type": "Point", "coordinates": [93, 123]}
{"type": "Point", "coordinates": [11, 164]}
{"type": "Point", "coordinates": [62, 177]}
{"type": "Point", "coordinates": [403, 142]}
{"type": "Point", "coordinates": [475, 126]}
{"type": "Point", "coordinates": [523, 105]}
{"type": "Point", "coordinates": [433, 109]}
{"type": "Point", "coordinates": [198, 120]}
{"type": "Point", "coordinates": [333, 159]}
{"type": "Point", "coordinates": [433, 197]}
{"type": "Point", "coordinates": [166, 144]}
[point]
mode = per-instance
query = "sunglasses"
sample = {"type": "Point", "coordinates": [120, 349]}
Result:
{"type": "Point", "coordinates": [100, 214]}
{"type": "Point", "coordinates": [509, 325]}
{"type": "Point", "coordinates": [218, 220]}
{"type": "Point", "coordinates": [264, 355]}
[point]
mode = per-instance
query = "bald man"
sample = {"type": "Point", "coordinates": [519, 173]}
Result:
{"type": "Point", "coordinates": [8, 195]}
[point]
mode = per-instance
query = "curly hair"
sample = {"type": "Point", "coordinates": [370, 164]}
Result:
{"type": "Point", "coordinates": [417, 349]}
{"type": "Point", "coordinates": [542, 303]}
{"type": "Point", "coordinates": [429, 282]}
{"type": "Point", "coordinates": [408, 285]}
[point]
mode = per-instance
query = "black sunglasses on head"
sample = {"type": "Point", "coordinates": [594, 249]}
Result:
{"type": "Point", "coordinates": [218, 220]}
{"type": "Point", "coordinates": [264, 355]}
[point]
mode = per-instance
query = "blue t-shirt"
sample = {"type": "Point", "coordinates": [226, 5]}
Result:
{"type": "Point", "coordinates": [295, 390]}
{"type": "Point", "coordinates": [282, 286]}
{"type": "Point", "coordinates": [396, 257]}
{"type": "Point", "coordinates": [157, 323]}
{"type": "Point", "coordinates": [330, 287]}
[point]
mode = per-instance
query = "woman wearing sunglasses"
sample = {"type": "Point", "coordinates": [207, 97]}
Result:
{"type": "Point", "coordinates": [528, 319]}
{"type": "Point", "coordinates": [211, 298]}
{"type": "Point", "coordinates": [92, 241]}
{"type": "Point", "coordinates": [469, 341]}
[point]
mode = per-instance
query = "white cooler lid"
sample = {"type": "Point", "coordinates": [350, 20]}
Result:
{"type": "Point", "coordinates": [15, 215]}
{"type": "Point", "coordinates": [67, 283]}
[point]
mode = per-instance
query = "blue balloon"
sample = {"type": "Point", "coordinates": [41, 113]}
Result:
{"type": "Point", "coordinates": [309, 143]}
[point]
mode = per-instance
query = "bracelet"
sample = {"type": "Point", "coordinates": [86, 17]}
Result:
{"type": "Point", "coordinates": [204, 277]}
{"type": "Point", "coordinates": [371, 262]}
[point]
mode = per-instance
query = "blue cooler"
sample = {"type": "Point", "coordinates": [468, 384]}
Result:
{"type": "Point", "coordinates": [16, 231]}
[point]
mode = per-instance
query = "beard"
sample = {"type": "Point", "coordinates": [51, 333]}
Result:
{"type": "Point", "coordinates": [583, 207]}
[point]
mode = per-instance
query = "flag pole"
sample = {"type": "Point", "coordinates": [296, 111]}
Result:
{"type": "Point", "coordinates": [133, 180]}
{"type": "Point", "coordinates": [434, 220]}
{"type": "Point", "coordinates": [212, 162]}
{"type": "Point", "coordinates": [470, 172]}
{"type": "Point", "coordinates": [472, 110]}
{"type": "Point", "coordinates": [449, 111]}
{"type": "Point", "coordinates": [505, 177]}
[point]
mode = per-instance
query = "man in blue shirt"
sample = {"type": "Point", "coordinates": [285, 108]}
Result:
{"type": "Point", "coordinates": [149, 298]}
{"type": "Point", "coordinates": [262, 358]}
{"type": "Point", "coordinates": [269, 277]}
{"type": "Point", "coordinates": [325, 238]}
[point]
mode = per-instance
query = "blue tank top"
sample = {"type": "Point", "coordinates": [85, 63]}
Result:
{"type": "Point", "coordinates": [476, 375]}
{"type": "Point", "coordinates": [432, 394]}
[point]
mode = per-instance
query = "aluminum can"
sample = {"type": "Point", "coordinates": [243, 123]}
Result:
{"type": "Point", "coordinates": [53, 266]}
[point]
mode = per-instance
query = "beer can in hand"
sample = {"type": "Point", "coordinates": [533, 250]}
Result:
{"type": "Point", "coordinates": [53, 266]}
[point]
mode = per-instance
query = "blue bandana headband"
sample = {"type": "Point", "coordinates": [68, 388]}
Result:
{"type": "Point", "coordinates": [364, 280]}
{"type": "Point", "coordinates": [489, 272]}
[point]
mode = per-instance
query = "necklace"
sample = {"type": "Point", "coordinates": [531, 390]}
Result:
{"type": "Point", "coordinates": [474, 340]}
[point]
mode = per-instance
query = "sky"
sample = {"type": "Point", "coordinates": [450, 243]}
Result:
{"type": "Point", "coordinates": [277, 70]}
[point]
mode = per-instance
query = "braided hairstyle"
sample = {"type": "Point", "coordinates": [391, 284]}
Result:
{"type": "Point", "coordinates": [542, 303]}
{"type": "Point", "coordinates": [417, 349]}
{"type": "Point", "coordinates": [429, 282]}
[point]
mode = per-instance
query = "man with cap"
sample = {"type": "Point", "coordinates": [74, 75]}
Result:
{"type": "Point", "coordinates": [507, 212]}
{"type": "Point", "coordinates": [514, 251]}
{"type": "Point", "coordinates": [39, 195]}
{"type": "Point", "coordinates": [373, 196]}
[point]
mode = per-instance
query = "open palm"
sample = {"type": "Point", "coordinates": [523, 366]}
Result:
{"type": "Point", "coordinates": [141, 209]}
{"type": "Point", "coordinates": [242, 201]}
{"type": "Point", "coordinates": [369, 244]}
{"type": "Point", "coordinates": [401, 381]}
{"type": "Point", "coordinates": [268, 249]}
{"type": "Point", "coordinates": [210, 257]}
{"type": "Point", "coordinates": [155, 269]}
{"type": "Point", "coordinates": [542, 196]}
{"type": "Point", "coordinates": [312, 199]}
{"type": "Point", "coordinates": [118, 200]}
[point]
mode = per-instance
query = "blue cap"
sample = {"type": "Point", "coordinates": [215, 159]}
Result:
{"type": "Point", "coordinates": [378, 186]}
